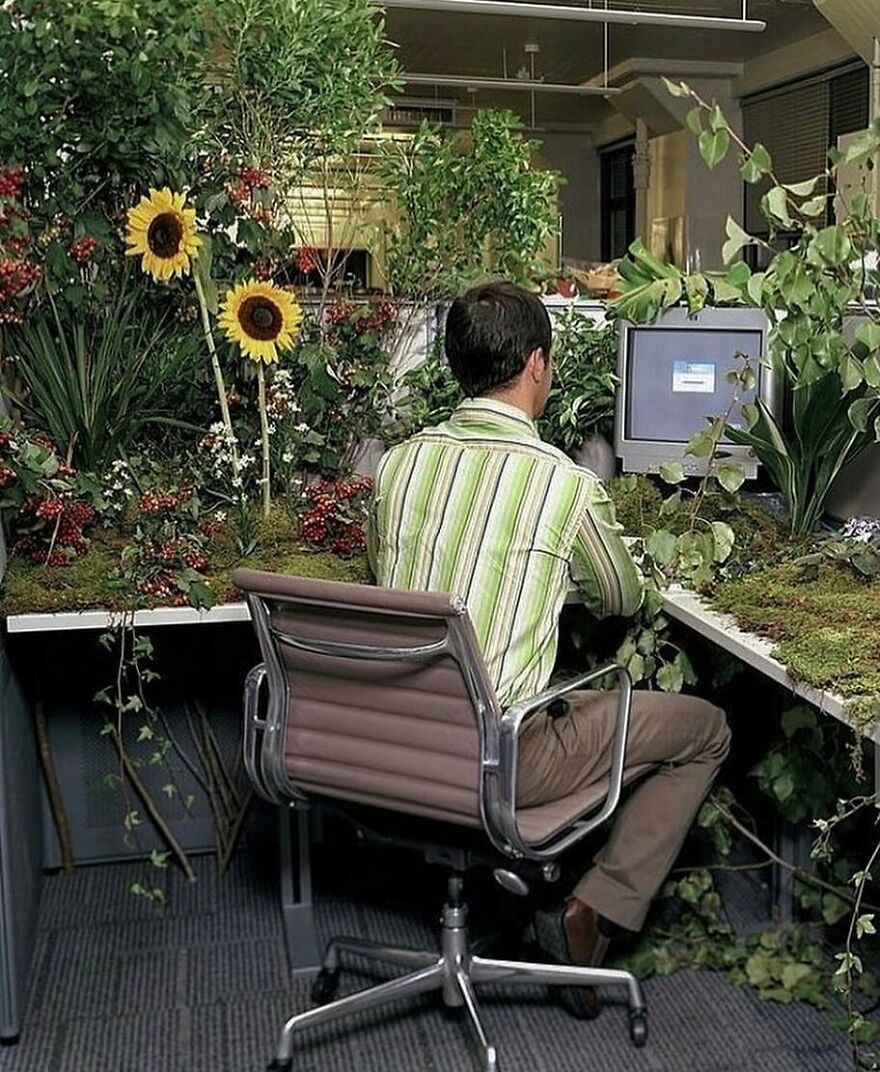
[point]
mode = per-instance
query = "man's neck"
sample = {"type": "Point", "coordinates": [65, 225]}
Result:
{"type": "Point", "coordinates": [517, 399]}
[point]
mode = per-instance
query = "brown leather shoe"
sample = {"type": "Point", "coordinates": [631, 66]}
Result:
{"type": "Point", "coordinates": [571, 936]}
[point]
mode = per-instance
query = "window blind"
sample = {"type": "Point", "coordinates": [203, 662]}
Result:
{"type": "Point", "coordinates": [793, 125]}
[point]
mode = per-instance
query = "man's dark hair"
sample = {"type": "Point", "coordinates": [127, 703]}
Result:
{"type": "Point", "coordinates": [490, 332]}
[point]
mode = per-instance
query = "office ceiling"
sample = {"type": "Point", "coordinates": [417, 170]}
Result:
{"type": "Point", "coordinates": [570, 52]}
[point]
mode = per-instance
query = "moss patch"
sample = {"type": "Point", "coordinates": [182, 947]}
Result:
{"type": "Point", "coordinates": [760, 538]}
{"type": "Point", "coordinates": [826, 630]}
{"type": "Point", "coordinates": [89, 583]}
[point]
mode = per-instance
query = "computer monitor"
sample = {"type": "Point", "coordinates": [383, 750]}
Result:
{"type": "Point", "coordinates": [673, 375]}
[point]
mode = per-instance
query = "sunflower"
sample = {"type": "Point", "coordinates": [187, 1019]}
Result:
{"type": "Point", "coordinates": [163, 232]}
{"type": "Point", "coordinates": [261, 318]}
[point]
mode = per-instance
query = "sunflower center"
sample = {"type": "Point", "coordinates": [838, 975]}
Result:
{"type": "Point", "coordinates": [260, 318]}
{"type": "Point", "coordinates": [165, 234]}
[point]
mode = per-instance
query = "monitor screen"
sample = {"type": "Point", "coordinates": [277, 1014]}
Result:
{"type": "Point", "coordinates": [676, 377]}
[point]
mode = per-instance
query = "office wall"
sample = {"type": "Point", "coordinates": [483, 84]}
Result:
{"type": "Point", "coordinates": [574, 156]}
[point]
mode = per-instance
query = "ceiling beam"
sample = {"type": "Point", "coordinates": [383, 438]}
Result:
{"type": "Point", "coordinates": [570, 13]}
{"type": "Point", "coordinates": [534, 86]}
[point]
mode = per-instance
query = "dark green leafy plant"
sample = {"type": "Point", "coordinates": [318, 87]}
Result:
{"type": "Point", "coordinates": [98, 381]}
{"type": "Point", "coordinates": [581, 400]}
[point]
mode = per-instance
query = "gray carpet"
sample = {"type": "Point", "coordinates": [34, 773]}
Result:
{"type": "Point", "coordinates": [119, 986]}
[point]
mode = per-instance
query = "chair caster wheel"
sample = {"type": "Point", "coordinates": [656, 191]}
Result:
{"type": "Point", "coordinates": [638, 1027]}
{"type": "Point", "coordinates": [324, 987]}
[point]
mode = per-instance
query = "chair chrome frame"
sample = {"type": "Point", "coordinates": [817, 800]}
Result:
{"type": "Point", "coordinates": [455, 971]}
{"type": "Point", "coordinates": [499, 732]}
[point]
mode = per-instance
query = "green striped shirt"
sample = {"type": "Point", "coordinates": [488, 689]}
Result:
{"type": "Point", "coordinates": [482, 508]}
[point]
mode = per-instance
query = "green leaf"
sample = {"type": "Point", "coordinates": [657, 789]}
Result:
{"type": "Point", "coordinates": [799, 717]}
{"type": "Point", "coordinates": [859, 412]}
{"type": "Point", "coordinates": [694, 120]}
{"type": "Point", "coordinates": [713, 145]}
{"type": "Point", "coordinates": [671, 472]}
{"type": "Point", "coordinates": [755, 287]}
{"type": "Point", "coordinates": [757, 164]}
{"type": "Point", "coordinates": [792, 974]}
{"type": "Point", "coordinates": [832, 244]}
{"type": "Point", "coordinates": [868, 334]}
{"type": "Point", "coordinates": [724, 538]}
{"type": "Point", "coordinates": [661, 546]}
{"type": "Point", "coordinates": [815, 206]}
{"type": "Point", "coordinates": [717, 120]}
{"type": "Point", "coordinates": [676, 89]}
{"type": "Point", "coordinates": [670, 678]}
{"type": "Point", "coordinates": [871, 369]}
{"type": "Point", "coordinates": [850, 372]}
{"type": "Point", "coordinates": [736, 240]}
{"type": "Point", "coordinates": [774, 205]}
{"type": "Point", "coordinates": [701, 444]}
{"type": "Point", "coordinates": [803, 189]}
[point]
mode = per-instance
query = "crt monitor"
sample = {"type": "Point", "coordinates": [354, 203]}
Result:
{"type": "Point", "coordinates": [673, 375]}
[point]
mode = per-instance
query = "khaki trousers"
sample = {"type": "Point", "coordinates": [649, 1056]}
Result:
{"type": "Point", "coordinates": [688, 738]}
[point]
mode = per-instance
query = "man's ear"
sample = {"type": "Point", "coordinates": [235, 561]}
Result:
{"type": "Point", "coordinates": [536, 363]}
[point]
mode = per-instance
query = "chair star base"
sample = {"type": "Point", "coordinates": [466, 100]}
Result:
{"type": "Point", "coordinates": [456, 973]}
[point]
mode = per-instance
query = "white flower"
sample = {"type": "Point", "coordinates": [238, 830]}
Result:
{"type": "Point", "coordinates": [301, 428]}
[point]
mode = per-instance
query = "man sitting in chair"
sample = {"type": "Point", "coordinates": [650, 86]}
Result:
{"type": "Point", "coordinates": [480, 507]}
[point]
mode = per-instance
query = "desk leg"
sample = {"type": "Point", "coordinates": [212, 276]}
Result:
{"type": "Point", "coordinates": [792, 841]}
{"type": "Point", "coordinates": [295, 829]}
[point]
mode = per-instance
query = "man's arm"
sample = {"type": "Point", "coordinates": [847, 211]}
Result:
{"type": "Point", "coordinates": [601, 565]}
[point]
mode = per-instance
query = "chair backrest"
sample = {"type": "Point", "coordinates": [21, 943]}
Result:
{"type": "Point", "coordinates": [376, 695]}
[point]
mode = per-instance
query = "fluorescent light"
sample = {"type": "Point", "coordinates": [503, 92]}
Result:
{"type": "Point", "coordinates": [580, 14]}
{"type": "Point", "coordinates": [509, 83]}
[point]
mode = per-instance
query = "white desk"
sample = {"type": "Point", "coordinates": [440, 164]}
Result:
{"type": "Point", "coordinates": [102, 619]}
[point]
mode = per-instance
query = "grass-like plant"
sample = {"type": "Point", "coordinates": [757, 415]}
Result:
{"type": "Point", "coordinates": [96, 382]}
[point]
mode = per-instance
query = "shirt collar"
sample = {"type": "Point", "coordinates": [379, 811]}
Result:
{"type": "Point", "coordinates": [492, 411]}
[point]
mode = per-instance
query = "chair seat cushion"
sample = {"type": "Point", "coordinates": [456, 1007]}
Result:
{"type": "Point", "coordinates": [540, 822]}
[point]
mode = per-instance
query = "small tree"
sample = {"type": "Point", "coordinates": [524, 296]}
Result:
{"type": "Point", "coordinates": [464, 206]}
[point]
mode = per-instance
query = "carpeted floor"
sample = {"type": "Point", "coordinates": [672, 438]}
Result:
{"type": "Point", "coordinates": [119, 986]}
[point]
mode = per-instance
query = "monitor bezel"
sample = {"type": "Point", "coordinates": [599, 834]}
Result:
{"type": "Point", "coordinates": [647, 455]}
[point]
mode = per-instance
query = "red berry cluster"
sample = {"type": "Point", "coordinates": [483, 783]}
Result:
{"type": "Point", "coordinates": [330, 521]}
{"type": "Point", "coordinates": [16, 276]}
{"type": "Point", "coordinates": [336, 313]}
{"type": "Point", "coordinates": [380, 316]}
{"type": "Point", "coordinates": [210, 527]}
{"type": "Point", "coordinates": [158, 502]}
{"type": "Point", "coordinates": [11, 181]}
{"type": "Point", "coordinates": [266, 269]}
{"type": "Point", "coordinates": [66, 519]}
{"type": "Point", "coordinates": [181, 549]}
{"type": "Point", "coordinates": [254, 178]}
{"type": "Point", "coordinates": [6, 474]}
{"type": "Point", "coordinates": [83, 248]}
{"type": "Point", "coordinates": [306, 259]}
{"type": "Point", "coordinates": [238, 193]}
{"type": "Point", "coordinates": [162, 585]}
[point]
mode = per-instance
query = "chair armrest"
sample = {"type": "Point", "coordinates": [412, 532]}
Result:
{"type": "Point", "coordinates": [501, 806]}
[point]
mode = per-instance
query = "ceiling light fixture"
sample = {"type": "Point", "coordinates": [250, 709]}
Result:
{"type": "Point", "coordinates": [509, 83]}
{"type": "Point", "coordinates": [582, 14]}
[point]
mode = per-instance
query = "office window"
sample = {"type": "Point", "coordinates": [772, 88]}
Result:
{"type": "Point", "coordinates": [797, 124]}
{"type": "Point", "coordinates": [617, 201]}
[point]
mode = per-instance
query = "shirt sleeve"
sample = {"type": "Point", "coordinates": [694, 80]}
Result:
{"type": "Point", "coordinates": [601, 565]}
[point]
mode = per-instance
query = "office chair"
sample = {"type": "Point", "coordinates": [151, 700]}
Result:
{"type": "Point", "coordinates": [380, 698]}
